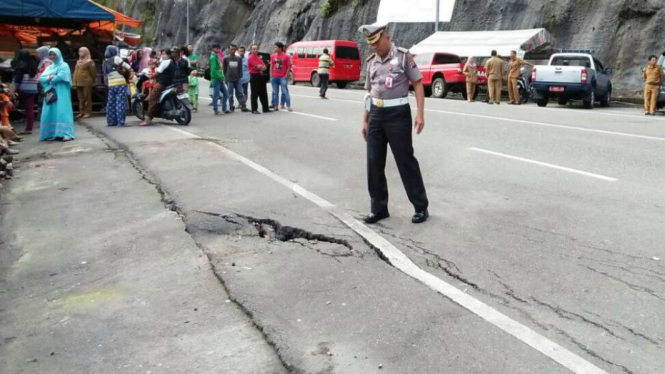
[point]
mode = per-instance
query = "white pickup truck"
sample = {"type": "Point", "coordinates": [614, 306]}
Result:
{"type": "Point", "coordinates": [572, 76]}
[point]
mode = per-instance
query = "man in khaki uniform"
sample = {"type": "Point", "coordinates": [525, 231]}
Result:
{"type": "Point", "coordinates": [514, 67]}
{"type": "Point", "coordinates": [652, 76]}
{"type": "Point", "coordinates": [494, 69]}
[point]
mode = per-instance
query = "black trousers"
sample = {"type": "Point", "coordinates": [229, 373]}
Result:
{"type": "Point", "coordinates": [324, 84]}
{"type": "Point", "coordinates": [259, 92]}
{"type": "Point", "coordinates": [392, 126]}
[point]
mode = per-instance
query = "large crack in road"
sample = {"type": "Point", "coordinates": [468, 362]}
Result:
{"type": "Point", "coordinates": [280, 232]}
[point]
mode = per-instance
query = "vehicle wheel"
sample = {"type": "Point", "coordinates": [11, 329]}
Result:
{"type": "Point", "coordinates": [185, 115]}
{"type": "Point", "coordinates": [589, 104]}
{"type": "Point", "coordinates": [563, 101]}
{"type": "Point", "coordinates": [137, 109]}
{"type": "Point", "coordinates": [290, 80]}
{"type": "Point", "coordinates": [316, 80]}
{"type": "Point", "coordinates": [542, 102]}
{"type": "Point", "coordinates": [439, 88]}
{"type": "Point", "coordinates": [341, 85]}
{"type": "Point", "coordinates": [605, 102]}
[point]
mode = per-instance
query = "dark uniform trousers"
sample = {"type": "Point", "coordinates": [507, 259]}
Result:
{"type": "Point", "coordinates": [392, 126]}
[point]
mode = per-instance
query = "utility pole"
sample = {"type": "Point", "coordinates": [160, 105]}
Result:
{"type": "Point", "coordinates": [436, 26]}
{"type": "Point", "coordinates": [188, 22]}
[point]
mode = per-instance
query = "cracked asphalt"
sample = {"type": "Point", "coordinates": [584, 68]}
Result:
{"type": "Point", "coordinates": [529, 229]}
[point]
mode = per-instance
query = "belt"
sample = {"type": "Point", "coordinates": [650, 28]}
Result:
{"type": "Point", "coordinates": [390, 103]}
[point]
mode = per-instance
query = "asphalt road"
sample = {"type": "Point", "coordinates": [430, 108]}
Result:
{"type": "Point", "coordinates": [551, 217]}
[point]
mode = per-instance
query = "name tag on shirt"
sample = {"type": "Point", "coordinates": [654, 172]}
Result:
{"type": "Point", "coordinates": [233, 64]}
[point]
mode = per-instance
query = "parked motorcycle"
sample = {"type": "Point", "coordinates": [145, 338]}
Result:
{"type": "Point", "coordinates": [524, 85]}
{"type": "Point", "coordinates": [173, 103]}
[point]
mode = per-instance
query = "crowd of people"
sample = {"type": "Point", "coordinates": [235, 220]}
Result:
{"type": "Point", "coordinates": [237, 74]}
{"type": "Point", "coordinates": [47, 80]}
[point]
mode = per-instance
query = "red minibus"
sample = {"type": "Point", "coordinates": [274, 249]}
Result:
{"type": "Point", "coordinates": [305, 61]}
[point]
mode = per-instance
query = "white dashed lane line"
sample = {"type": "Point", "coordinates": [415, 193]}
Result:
{"type": "Point", "coordinates": [570, 170]}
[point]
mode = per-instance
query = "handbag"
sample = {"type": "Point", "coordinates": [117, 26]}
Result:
{"type": "Point", "coordinates": [50, 96]}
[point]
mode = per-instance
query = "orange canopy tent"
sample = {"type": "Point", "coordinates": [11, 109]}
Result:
{"type": "Point", "coordinates": [29, 34]}
{"type": "Point", "coordinates": [120, 19]}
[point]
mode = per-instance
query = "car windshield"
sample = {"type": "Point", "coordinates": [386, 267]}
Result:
{"type": "Point", "coordinates": [423, 59]}
{"type": "Point", "coordinates": [571, 61]}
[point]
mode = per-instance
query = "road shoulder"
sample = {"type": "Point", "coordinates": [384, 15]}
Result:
{"type": "Point", "coordinates": [125, 289]}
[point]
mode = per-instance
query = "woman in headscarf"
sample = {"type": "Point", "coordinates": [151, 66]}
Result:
{"type": "Point", "coordinates": [24, 81]}
{"type": "Point", "coordinates": [471, 72]}
{"type": "Point", "coordinates": [44, 61]}
{"type": "Point", "coordinates": [114, 68]}
{"type": "Point", "coordinates": [85, 74]}
{"type": "Point", "coordinates": [145, 59]}
{"type": "Point", "coordinates": [57, 122]}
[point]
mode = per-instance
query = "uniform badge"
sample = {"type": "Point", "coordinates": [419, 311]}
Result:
{"type": "Point", "coordinates": [389, 82]}
{"type": "Point", "coordinates": [411, 61]}
{"type": "Point", "coordinates": [394, 61]}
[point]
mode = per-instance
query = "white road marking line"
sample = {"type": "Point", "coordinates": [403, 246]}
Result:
{"type": "Point", "coordinates": [598, 176]}
{"type": "Point", "coordinates": [548, 125]}
{"type": "Point", "coordinates": [314, 115]}
{"type": "Point", "coordinates": [601, 112]}
{"type": "Point", "coordinates": [399, 260]}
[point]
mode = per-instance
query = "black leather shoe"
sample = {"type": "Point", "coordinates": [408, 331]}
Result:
{"type": "Point", "coordinates": [420, 217]}
{"type": "Point", "coordinates": [374, 218]}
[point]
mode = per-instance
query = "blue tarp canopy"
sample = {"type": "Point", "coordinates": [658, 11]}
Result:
{"type": "Point", "coordinates": [51, 13]}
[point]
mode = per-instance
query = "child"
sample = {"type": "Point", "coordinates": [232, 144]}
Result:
{"type": "Point", "coordinates": [5, 104]}
{"type": "Point", "coordinates": [150, 72]}
{"type": "Point", "coordinates": [193, 90]}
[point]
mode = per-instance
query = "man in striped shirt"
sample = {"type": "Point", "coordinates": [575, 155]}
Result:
{"type": "Point", "coordinates": [325, 63]}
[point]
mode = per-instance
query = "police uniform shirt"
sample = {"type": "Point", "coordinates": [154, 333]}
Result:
{"type": "Point", "coordinates": [389, 78]}
{"type": "Point", "coordinates": [652, 74]}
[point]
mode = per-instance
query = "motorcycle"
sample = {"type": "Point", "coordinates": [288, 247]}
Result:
{"type": "Point", "coordinates": [173, 103]}
{"type": "Point", "coordinates": [524, 85]}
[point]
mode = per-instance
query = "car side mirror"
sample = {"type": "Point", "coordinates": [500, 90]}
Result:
{"type": "Point", "coordinates": [609, 71]}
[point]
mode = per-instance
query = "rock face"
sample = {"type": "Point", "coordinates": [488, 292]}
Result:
{"type": "Point", "coordinates": [622, 32]}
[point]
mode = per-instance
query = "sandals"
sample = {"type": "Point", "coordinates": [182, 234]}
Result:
{"type": "Point", "coordinates": [25, 133]}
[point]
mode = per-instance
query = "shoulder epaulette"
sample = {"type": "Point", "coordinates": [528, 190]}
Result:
{"type": "Point", "coordinates": [370, 57]}
{"type": "Point", "coordinates": [403, 50]}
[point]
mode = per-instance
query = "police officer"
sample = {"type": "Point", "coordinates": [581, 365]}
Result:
{"type": "Point", "coordinates": [653, 77]}
{"type": "Point", "coordinates": [494, 70]}
{"type": "Point", "coordinates": [514, 66]}
{"type": "Point", "coordinates": [387, 121]}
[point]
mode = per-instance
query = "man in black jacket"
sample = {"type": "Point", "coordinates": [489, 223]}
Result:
{"type": "Point", "coordinates": [233, 73]}
{"type": "Point", "coordinates": [182, 66]}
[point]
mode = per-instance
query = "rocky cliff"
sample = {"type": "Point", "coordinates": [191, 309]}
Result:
{"type": "Point", "coordinates": [622, 32]}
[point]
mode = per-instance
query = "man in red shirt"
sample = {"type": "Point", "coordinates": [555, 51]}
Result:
{"type": "Point", "coordinates": [280, 66]}
{"type": "Point", "coordinates": [257, 82]}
